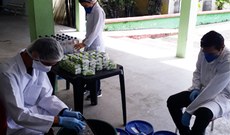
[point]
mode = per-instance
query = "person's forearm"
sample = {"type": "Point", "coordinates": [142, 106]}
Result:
{"type": "Point", "coordinates": [215, 86]}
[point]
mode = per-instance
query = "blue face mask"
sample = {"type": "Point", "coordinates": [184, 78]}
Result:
{"type": "Point", "coordinates": [88, 10]}
{"type": "Point", "coordinates": [210, 57]}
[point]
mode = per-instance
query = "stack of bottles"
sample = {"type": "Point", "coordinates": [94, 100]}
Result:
{"type": "Point", "coordinates": [87, 63]}
{"type": "Point", "coordinates": [66, 41]}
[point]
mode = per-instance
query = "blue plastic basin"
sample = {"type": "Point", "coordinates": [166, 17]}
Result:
{"type": "Point", "coordinates": [139, 126]}
{"type": "Point", "coordinates": [163, 132]}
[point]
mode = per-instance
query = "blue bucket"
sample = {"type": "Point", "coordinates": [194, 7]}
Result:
{"type": "Point", "coordinates": [163, 132]}
{"type": "Point", "coordinates": [121, 131]}
{"type": "Point", "coordinates": [139, 126]}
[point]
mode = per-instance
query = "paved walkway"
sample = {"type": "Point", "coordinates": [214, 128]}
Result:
{"type": "Point", "coordinates": [152, 73]}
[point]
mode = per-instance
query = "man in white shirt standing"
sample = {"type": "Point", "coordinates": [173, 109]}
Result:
{"type": "Point", "coordinates": [93, 41]}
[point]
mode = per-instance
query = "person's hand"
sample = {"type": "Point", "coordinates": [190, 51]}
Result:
{"type": "Point", "coordinates": [185, 120]}
{"type": "Point", "coordinates": [72, 123]}
{"type": "Point", "coordinates": [68, 113]}
{"type": "Point", "coordinates": [194, 94]}
{"type": "Point", "coordinates": [79, 46]}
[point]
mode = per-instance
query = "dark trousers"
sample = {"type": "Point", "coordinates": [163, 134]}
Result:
{"type": "Point", "coordinates": [93, 85]}
{"type": "Point", "coordinates": [203, 115]}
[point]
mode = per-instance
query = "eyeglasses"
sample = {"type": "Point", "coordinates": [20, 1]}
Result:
{"type": "Point", "coordinates": [46, 63]}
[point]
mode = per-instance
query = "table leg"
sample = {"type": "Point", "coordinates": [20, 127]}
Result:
{"type": "Point", "coordinates": [67, 85]}
{"type": "Point", "coordinates": [122, 86]}
{"type": "Point", "coordinates": [78, 93]}
{"type": "Point", "coordinates": [93, 91]}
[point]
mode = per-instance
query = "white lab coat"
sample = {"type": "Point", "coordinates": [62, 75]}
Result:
{"type": "Point", "coordinates": [214, 81]}
{"type": "Point", "coordinates": [94, 28]}
{"type": "Point", "coordinates": [29, 102]}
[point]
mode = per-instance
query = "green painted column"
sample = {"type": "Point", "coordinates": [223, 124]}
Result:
{"type": "Point", "coordinates": [41, 20]}
{"type": "Point", "coordinates": [188, 15]}
{"type": "Point", "coordinates": [80, 18]}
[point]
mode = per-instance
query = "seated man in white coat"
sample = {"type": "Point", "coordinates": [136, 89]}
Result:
{"type": "Point", "coordinates": [26, 91]}
{"type": "Point", "coordinates": [209, 96]}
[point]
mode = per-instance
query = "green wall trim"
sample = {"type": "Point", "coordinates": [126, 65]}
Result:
{"type": "Point", "coordinates": [213, 18]}
{"type": "Point", "coordinates": [166, 23]}
{"type": "Point", "coordinates": [145, 24]}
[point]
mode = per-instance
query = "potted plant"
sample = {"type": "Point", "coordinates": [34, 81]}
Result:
{"type": "Point", "coordinates": [129, 7]}
{"type": "Point", "coordinates": [154, 7]}
{"type": "Point", "coordinates": [113, 8]}
{"type": "Point", "coordinates": [220, 3]}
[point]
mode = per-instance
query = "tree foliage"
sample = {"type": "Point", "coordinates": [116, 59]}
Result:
{"type": "Point", "coordinates": [220, 3]}
{"type": "Point", "coordinates": [118, 8]}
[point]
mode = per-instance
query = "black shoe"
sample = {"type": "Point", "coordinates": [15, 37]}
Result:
{"type": "Point", "coordinates": [85, 92]}
{"type": "Point", "coordinates": [185, 131]}
{"type": "Point", "coordinates": [99, 94]}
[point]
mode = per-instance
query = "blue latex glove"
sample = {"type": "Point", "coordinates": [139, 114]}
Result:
{"type": "Point", "coordinates": [68, 113]}
{"type": "Point", "coordinates": [194, 94]}
{"type": "Point", "coordinates": [72, 123]}
{"type": "Point", "coordinates": [185, 120]}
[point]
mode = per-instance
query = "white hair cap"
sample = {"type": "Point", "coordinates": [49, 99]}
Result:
{"type": "Point", "coordinates": [48, 49]}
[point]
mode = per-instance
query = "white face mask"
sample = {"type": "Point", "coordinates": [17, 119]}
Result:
{"type": "Point", "coordinates": [39, 66]}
